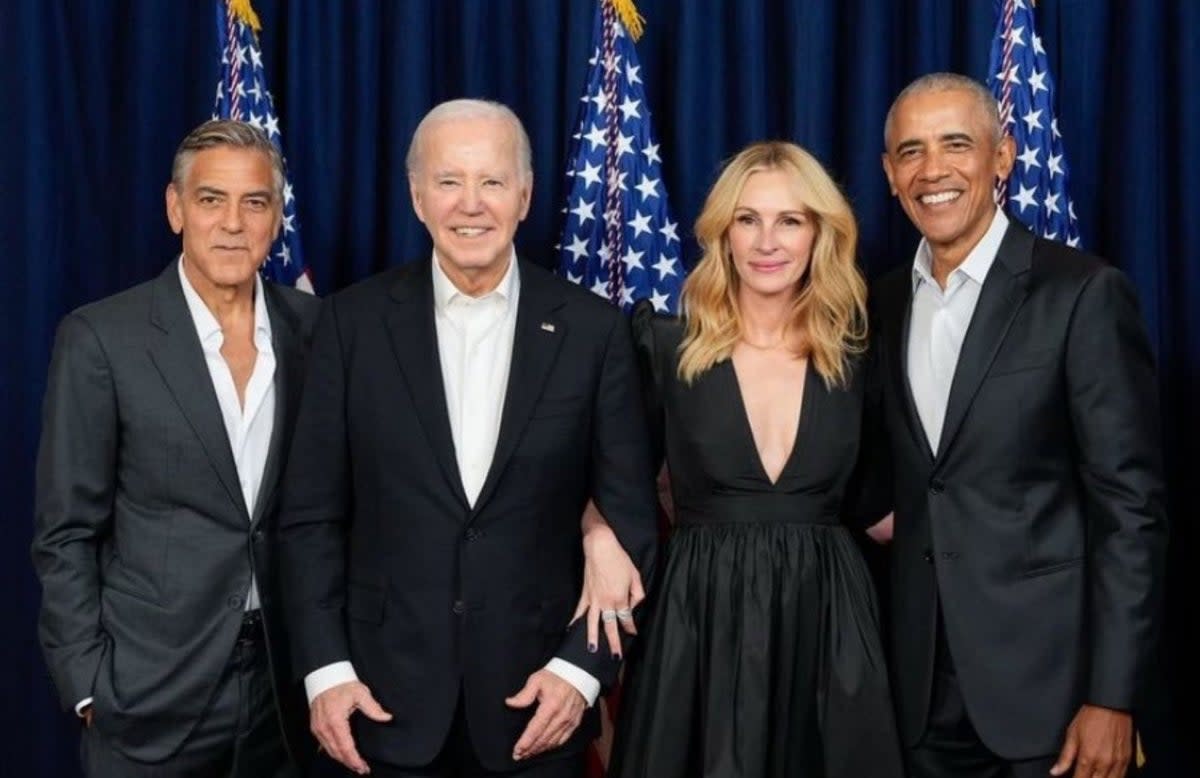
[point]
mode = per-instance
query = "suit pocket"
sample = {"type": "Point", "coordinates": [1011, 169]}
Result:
{"type": "Point", "coordinates": [1007, 364]}
{"type": "Point", "coordinates": [364, 604]}
{"type": "Point", "coordinates": [1056, 567]}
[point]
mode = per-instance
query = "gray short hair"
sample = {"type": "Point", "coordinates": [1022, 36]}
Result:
{"type": "Point", "coordinates": [462, 109]}
{"type": "Point", "coordinates": [226, 133]}
{"type": "Point", "coordinates": [943, 82]}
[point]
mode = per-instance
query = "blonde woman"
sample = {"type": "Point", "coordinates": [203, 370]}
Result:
{"type": "Point", "coordinates": [762, 655]}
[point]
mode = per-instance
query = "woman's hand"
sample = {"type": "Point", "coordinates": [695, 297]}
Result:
{"type": "Point", "coordinates": [881, 531]}
{"type": "Point", "coordinates": [612, 586]}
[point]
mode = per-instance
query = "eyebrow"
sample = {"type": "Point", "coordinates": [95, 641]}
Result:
{"type": "Point", "coordinates": [212, 190]}
{"type": "Point", "coordinates": [949, 137]}
{"type": "Point", "coordinates": [790, 212]}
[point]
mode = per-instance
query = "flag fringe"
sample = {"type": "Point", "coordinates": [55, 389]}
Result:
{"type": "Point", "coordinates": [244, 13]}
{"type": "Point", "coordinates": [628, 13]}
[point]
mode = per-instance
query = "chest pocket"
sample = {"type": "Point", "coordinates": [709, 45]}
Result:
{"type": "Point", "coordinates": [1023, 361]}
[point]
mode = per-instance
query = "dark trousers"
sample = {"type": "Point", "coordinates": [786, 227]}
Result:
{"type": "Point", "coordinates": [457, 760]}
{"type": "Point", "coordinates": [239, 735]}
{"type": "Point", "coordinates": [950, 745]}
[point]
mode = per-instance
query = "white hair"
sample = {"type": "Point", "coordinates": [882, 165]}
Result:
{"type": "Point", "coordinates": [463, 109]}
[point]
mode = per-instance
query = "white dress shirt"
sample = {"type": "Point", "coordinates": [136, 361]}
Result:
{"type": "Point", "coordinates": [248, 427]}
{"type": "Point", "coordinates": [939, 321]}
{"type": "Point", "coordinates": [475, 343]}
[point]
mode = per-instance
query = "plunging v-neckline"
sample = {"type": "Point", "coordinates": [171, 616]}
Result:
{"type": "Point", "coordinates": [748, 427]}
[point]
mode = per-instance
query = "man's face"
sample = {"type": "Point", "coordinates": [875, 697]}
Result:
{"type": "Point", "coordinates": [942, 162]}
{"type": "Point", "coordinates": [227, 214]}
{"type": "Point", "coordinates": [470, 192]}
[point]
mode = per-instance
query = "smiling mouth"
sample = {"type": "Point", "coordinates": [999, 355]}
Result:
{"type": "Point", "coordinates": [468, 232]}
{"type": "Point", "coordinates": [767, 267]}
{"type": "Point", "coordinates": [937, 198]}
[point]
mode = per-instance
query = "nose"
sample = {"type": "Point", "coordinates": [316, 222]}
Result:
{"type": "Point", "coordinates": [471, 201]}
{"type": "Point", "coordinates": [231, 218]}
{"type": "Point", "coordinates": [933, 166]}
{"type": "Point", "coordinates": [765, 241]}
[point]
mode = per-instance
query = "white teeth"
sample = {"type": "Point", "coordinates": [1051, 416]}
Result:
{"type": "Point", "coordinates": [468, 232]}
{"type": "Point", "coordinates": [940, 197]}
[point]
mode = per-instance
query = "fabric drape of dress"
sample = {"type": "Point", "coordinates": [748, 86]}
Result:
{"type": "Point", "coordinates": [762, 654]}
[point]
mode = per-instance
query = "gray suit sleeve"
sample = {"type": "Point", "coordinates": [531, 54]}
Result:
{"type": "Point", "coordinates": [76, 480]}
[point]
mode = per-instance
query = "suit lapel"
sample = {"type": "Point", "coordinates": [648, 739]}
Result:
{"type": "Point", "coordinates": [901, 307]}
{"type": "Point", "coordinates": [179, 358]}
{"type": "Point", "coordinates": [1003, 292]}
{"type": "Point", "coordinates": [411, 328]}
{"type": "Point", "coordinates": [536, 342]}
{"type": "Point", "coordinates": [289, 365]}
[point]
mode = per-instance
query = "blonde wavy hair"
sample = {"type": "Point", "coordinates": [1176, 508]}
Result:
{"type": "Point", "coordinates": [829, 310]}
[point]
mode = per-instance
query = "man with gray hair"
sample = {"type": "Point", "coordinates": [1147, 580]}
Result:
{"type": "Point", "coordinates": [458, 414]}
{"type": "Point", "coordinates": [1019, 415]}
{"type": "Point", "coordinates": [165, 425]}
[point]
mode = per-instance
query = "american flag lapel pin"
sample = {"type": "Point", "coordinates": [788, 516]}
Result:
{"type": "Point", "coordinates": [547, 327]}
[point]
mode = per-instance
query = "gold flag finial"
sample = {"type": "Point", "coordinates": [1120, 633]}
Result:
{"type": "Point", "coordinates": [628, 13]}
{"type": "Point", "coordinates": [244, 13]}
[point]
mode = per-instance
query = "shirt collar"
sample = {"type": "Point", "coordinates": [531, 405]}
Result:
{"type": "Point", "coordinates": [978, 262]}
{"type": "Point", "coordinates": [445, 292]}
{"type": "Point", "coordinates": [207, 324]}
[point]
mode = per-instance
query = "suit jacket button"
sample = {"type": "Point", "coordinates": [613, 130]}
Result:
{"type": "Point", "coordinates": [234, 602]}
{"type": "Point", "coordinates": [259, 535]}
{"type": "Point", "coordinates": [459, 608]}
{"type": "Point", "coordinates": [928, 555]}
{"type": "Point", "coordinates": [473, 534]}
{"type": "Point", "coordinates": [937, 486]}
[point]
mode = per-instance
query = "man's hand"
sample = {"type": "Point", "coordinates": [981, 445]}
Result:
{"type": "Point", "coordinates": [86, 715]}
{"type": "Point", "coordinates": [560, 709]}
{"type": "Point", "coordinates": [1099, 742]}
{"type": "Point", "coordinates": [329, 720]}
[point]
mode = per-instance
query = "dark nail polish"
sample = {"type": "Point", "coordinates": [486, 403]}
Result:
{"type": "Point", "coordinates": [591, 648]}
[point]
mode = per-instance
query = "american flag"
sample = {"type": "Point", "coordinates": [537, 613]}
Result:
{"type": "Point", "coordinates": [618, 238]}
{"type": "Point", "coordinates": [242, 95]}
{"type": "Point", "coordinates": [1019, 77]}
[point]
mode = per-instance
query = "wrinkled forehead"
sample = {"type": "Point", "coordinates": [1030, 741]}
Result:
{"type": "Point", "coordinates": [933, 114]}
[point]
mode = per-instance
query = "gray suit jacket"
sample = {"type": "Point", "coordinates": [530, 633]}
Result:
{"type": "Point", "coordinates": [143, 542]}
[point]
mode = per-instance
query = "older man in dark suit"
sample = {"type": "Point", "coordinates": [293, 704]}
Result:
{"type": "Point", "coordinates": [458, 414]}
{"type": "Point", "coordinates": [1020, 407]}
{"type": "Point", "coordinates": [166, 423]}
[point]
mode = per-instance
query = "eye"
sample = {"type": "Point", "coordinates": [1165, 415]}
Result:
{"type": "Point", "coordinates": [745, 218]}
{"type": "Point", "coordinates": [209, 199]}
{"type": "Point", "coordinates": [493, 183]}
{"type": "Point", "coordinates": [958, 145]}
{"type": "Point", "coordinates": [447, 183]}
{"type": "Point", "coordinates": [792, 221]}
{"type": "Point", "coordinates": [257, 204]}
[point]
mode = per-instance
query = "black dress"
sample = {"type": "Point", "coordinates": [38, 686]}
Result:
{"type": "Point", "coordinates": [762, 655]}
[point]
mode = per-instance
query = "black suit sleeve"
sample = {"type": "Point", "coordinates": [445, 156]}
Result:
{"type": "Point", "coordinates": [622, 481]}
{"type": "Point", "coordinates": [315, 508]}
{"type": "Point", "coordinates": [76, 481]}
{"type": "Point", "coordinates": [1114, 413]}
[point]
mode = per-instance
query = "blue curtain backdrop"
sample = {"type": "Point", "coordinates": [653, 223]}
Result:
{"type": "Point", "coordinates": [96, 95]}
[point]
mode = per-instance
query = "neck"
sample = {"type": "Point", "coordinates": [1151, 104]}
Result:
{"type": "Point", "coordinates": [764, 318]}
{"type": "Point", "coordinates": [225, 302]}
{"type": "Point", "coordinates": [944, 259]}
{"type": "Point", "coordinates": [475, 282]}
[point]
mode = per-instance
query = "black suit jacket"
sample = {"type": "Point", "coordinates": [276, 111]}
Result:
{"type": "Point", "coordinates": [1040, 524]}
{"type": "Point", "coordinates": [143, 541]}
{"type": "Point", "coordinates": [386, 565]}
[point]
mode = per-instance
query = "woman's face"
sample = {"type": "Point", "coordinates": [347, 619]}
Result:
{"type": "Point", "coordinates": [771, 236]}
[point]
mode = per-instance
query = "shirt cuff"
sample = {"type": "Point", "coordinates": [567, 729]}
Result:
{"type": "Point", "coordinates": [79, 706]}
{"type": "Point", "coordinates": [583, 681]}
{"type": "Point", "coordinates": [325, 678]}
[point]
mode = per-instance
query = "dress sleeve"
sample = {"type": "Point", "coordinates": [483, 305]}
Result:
{"type": "Point", "coordinates": [651, 366]}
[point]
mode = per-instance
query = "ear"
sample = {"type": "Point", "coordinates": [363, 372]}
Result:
{"type": "Point", "coordinates": [414, 192]}
{"type": "Point", "coordinates": [526, 196]}
{"type": "Point", "coordinates": [1006, 155]}
{"type": "Point", "coordinates": [889, 172]}
{"type": "Point", "coordinates": [174, 209]}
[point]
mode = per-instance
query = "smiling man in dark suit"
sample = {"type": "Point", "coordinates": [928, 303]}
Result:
{"type": "Point", "coordinates": [165, 427]}
{"type": "Point", "coordinates": [458, 414]}
{"type": "Point", "coordinates": [1019, 403]}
